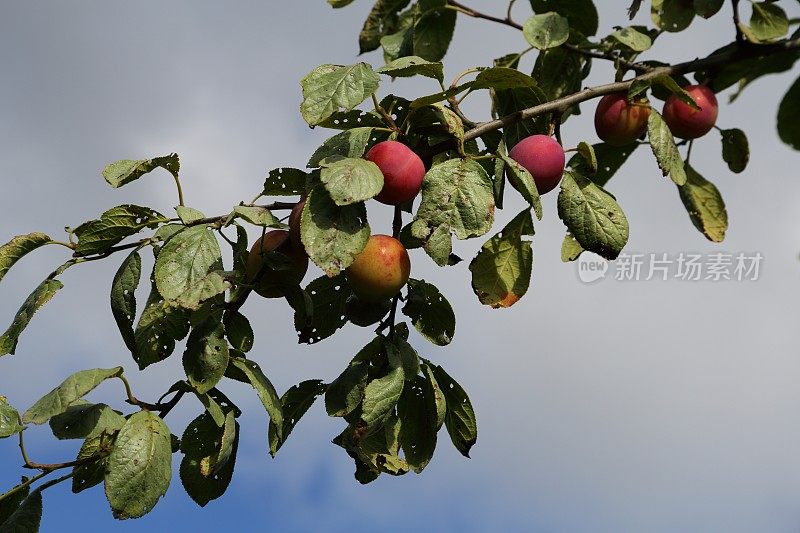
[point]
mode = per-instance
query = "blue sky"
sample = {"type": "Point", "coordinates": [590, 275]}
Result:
{"type": "Point", "coordinates": [643, 406]}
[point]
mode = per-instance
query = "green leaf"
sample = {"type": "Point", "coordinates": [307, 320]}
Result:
{"type": "Point", "coordinates": [418, 417]}
{"type": "Point", "coordinates": [735, 149]}
{"type": "Point", "coordinates": [430, 312]}
{"type": "Point", "coordinates": [329, 88]}
{"type": "Point", "coordinates": [206, 356]}
{"type": "Point", "coordinates": [328, 308]}
{"type": "Point", "coordinates": [557, 72]}
{"type": "Point", "coordinates": [672, 86]}
{"type": "Point", "coordinates": [457, 198]}
{"type": "Point", "coordinates": [672, 15]}
{"type": "Point", "coordinates": [381, 396]}
{"type": "Point", "coordinates": [213, 284]}
{"type": "Point", "coordinates": [633, 39]}
{"type": "Point", "coordinates": [295, 403]}
{"type": "Point", "coordinates": [502, 78]}
{"type": "Point", "coordinates": [349, 143]}
{"type": "Point", "coordinates": [40, 296]}
{"type": "Point", "coordinates": [209, 458]}
{"type": "Point", "coordinates": [185, 260]}
{"type": "Point", "coordinates": [332, 235]}
{"type": "Point", "coordinates": [18, 247]}
{"type": "Point", "coordinates": [460, 417]}
{"type": "Point", "coordinates": [382, 20]}
{"type": "Point", "coordinates": [266, 392]}
{"type": "Point", "coordinates": [432, 34]}
{"type": "Point", "coordinates": [97, 446]}
{"type": "Point", "coordinates": [11, 503]}
{"type": "Point", "coordinates": [258, 216]}
{"type": "Point", "coordinates": [285, 182]}
{"type": "Point", "coordinates": [346, 392]}
{"type": "Point", "coordinates": [9, 420]}
{"type": "Point", "coordinates": [123, 297]}
{"type": "Point", "coordinates": [570, 249]}
{"type": "Point", "coordinates": [27, 517]}
{"type": "Point", "coordinates": [127, 170]}
{"type": "Point", "coordinates": [406, 67]}
{"type": "Point", "coordinates": [114, 225]}
{"type": "Point", "coordinates": [609, 160]}
{"type": "Point", "coordinates": [501, 272]}
{"type": "Point", "coordinates": [349, 180]}
{"type": "Point", "coordinates": [522, 181]}
{"type": "Point", "coordinates": [789, 110]}
{"type": "Point", "coordinates": [84, 420]}
{"type": "Point", "coordinates": [73, 388]}
{"type": "Point", "coordinates": [439, 402]}
{"type": "Point", "coordinates": [336, 4]}
{"type": "Point", "coordinates": [140, 466]}
{"type": "Point", "coordinates": [238, 331]}
{"type": "Point", "coordinates": [705, 206]}
{"type": "Point", "coordinates": [510, 101]}
{"type": "Point", "coordinates": [188, 215]}
{"type": "Point", "coordinates": [160, 325]}
{"type": "Point", "coordinates": [663, 145]}
{"type": "Point", "coordinates": [592, 216]}
{"type": "Point", "coordinates": [582, 14]}
{"type": "Point", "coordinates": [768, 22]}
{"type": "Point", "coordinates": [708, 8]}
{"type": "Point", "coordinates": [547, 30]}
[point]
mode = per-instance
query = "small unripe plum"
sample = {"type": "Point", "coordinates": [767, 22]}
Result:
{"type": "Point", "coordinates": [686, 122]}
{"type": "Point", "coordinates": [294, 224]}
{"type": "Point", "coordinates": [543, 157]}
{"type": "Point", "coordinates": [380, 270]}
{"type": "Point", "coordinates": [619, 122]}
{"type": "Point", "coordinates": [402, 171]}
{"type": "Point", "coordinates": [272, 282]}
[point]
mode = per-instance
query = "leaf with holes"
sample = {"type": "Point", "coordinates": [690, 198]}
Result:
{"type": "Point", "coordinates": [501, 272]}
{"type": "Point", "coordinates": [125, 171]}
{"type": "Point", "coordinates": [185, 260]}
{"type": "Point", "coordinates": [238, 331]}
{"type": "Point", "coordinates": [460, 418]}
{"type": "Point", "coordinates": [140, 466]}
{"type": "Point", "coordinates": [592, 216]}
{"type": "Point", "coordinates": [209, 457]}
{"type": "Point", "coordinates": [295, 402]}
{"type": "Point", "coordinates": [418, 416]}
{"type": "Point", "coordinates": [457, 198]}
{"type": "Point", "coordinates": [350, 180]}
{"type": "Point", "coordinates": [329, 88]}
{"type": "Point", "coordinates": [84, 420]}
{"type": "Point", "coordinates": [285, 182]}
{"type": "Point", "coordinates": [663, 144]}
{"type": "Point", "coordinates": [206, 356]}
{"type": "Point", "coordinates": [123, 297]}
{"type": "Point", "coordinates": [547, 30]}
{"type": "Point", "coordinates": [160, 325]}
{"type": "Point", "coordinates": [430, 312]}
{"type": "Point", "coordinates": [328, 312]}
{"type": "Point", "coordinates": [350, 143]}
{"type": "Point", "coordinates": [332, 235]}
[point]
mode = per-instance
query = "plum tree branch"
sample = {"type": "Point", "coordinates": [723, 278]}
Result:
{"type": "Point", "coordinates": [561, 104]}
{"type": "Point", "coordinates": [508, 21]}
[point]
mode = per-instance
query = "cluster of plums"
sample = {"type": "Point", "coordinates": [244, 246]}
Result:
{"type": "Point", "coordinates": [619, 122]}
{"type": "Point", "coordinates": [383, 267]}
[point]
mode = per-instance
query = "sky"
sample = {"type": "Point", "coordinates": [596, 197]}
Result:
{"type": "Point", "coordinates": [651, 406]}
